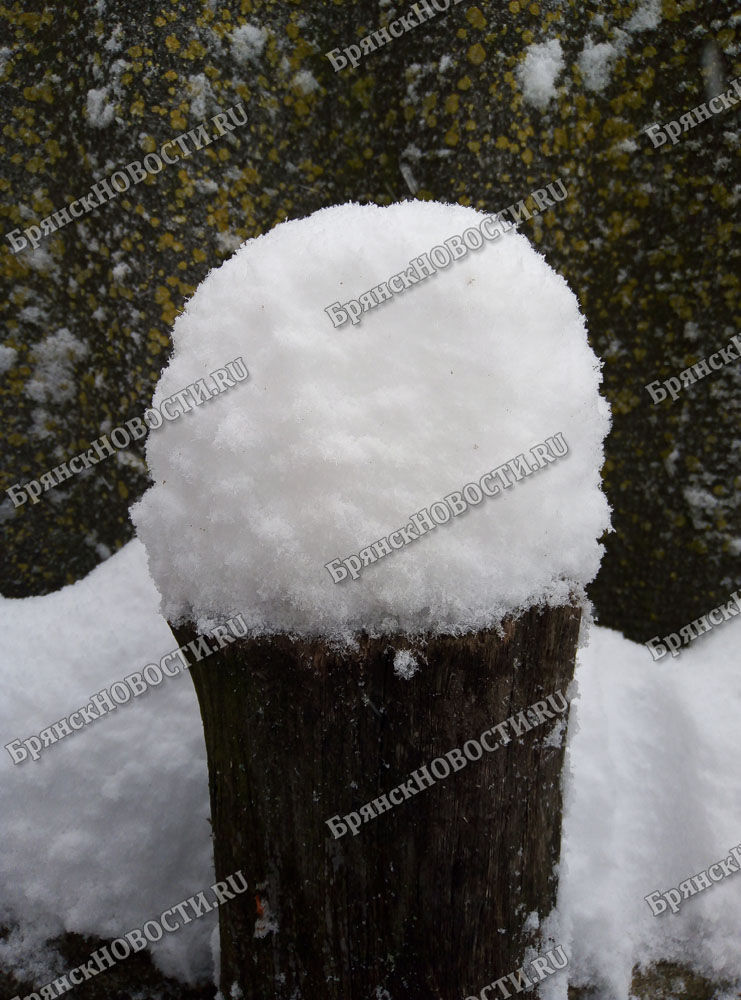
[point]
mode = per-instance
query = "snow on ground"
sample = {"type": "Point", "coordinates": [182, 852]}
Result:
{"type": "Point", "coordinates": [110, 826]}
{"type": "Point", "coordinates": [653, 797]}
{"type": "Point", "coordinates": [341, 434]}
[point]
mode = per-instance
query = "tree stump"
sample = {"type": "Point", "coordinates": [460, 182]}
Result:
{"type": "Point", "coordinates": [430, 899]}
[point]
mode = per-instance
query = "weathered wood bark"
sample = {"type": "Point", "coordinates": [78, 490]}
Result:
{"type": "Point", "coordinates": [430, 898]}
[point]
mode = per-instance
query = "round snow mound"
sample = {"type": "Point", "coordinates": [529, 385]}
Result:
{"type": "Point", "coordinates": [338, 435]}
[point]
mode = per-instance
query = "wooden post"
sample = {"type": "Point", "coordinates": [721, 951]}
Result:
{"type": "Point", "coordinates": [430, 898]}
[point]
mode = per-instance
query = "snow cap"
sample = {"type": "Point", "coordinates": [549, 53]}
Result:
{"type": "Point", "coordinates": [282, 482]}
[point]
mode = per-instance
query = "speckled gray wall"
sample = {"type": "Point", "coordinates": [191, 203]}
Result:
{"type": "Point", "coordinates": [648, 238]}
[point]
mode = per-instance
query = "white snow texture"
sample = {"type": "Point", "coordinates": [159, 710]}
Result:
{"type": "Point", "coordinates": [538, 71]}
{"type": "Point", "coordinates": [109, 827]}
{"type": "Point", "coordinates": [595, 64]}
{"type": "Point", "coordinates": [339, 435]}
{"type": "Point", "coordinates": [652, 797]}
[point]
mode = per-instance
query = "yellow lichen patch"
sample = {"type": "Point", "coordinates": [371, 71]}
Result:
{"type": "Point", "coordinates": [250, 175]}
{"type": "Point", "coordinates": [169, 312]}
{"type": "Point", "coordinates": [21, 114]}
{"type": "Point", "coordinates": [172, 43]}
{"type": "Point", "coordinates": [39, 92]}
{"type": "Point", "coordinates": [301, 51]}
{"type": "Point", "coordinates": [724, 232]}
{"type": "Point", "coordinates": [168, 241]}
{"type": "Point", "coordinates": [698, 545]}
{"type": "Point", "coordinates": [476, 54]}
{"type": "Point", "coordinates": [476, 18]}
{"type": "Point", "coordinates": [220, 218]}
{"type": "Point", "coordinates": [624, 400]}
{"type": "Point", "coordinates": [195, 50]}
{"type": "Point", "coordinates": [726, 37]}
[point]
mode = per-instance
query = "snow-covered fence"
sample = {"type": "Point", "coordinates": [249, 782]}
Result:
{"type": "Point", "coordinates": [338, 693]}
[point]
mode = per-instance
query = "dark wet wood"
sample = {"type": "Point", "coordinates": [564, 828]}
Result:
{"type": "Point", "coordinates": [430, 898]}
